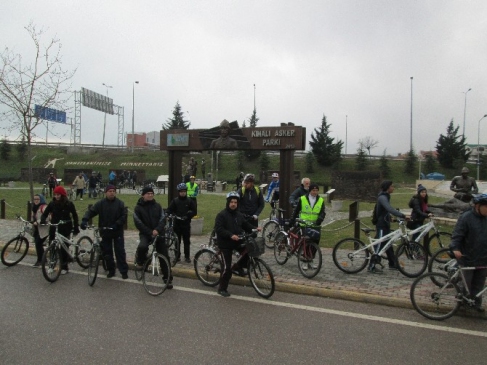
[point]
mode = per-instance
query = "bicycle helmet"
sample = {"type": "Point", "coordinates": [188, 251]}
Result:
{"type": "Point", "coordinates": [182, 186]}
{"type": "Point", "coordinates": [480, 199]}
{"type": "Point", "coordinates": [249, 178]}
{"type": "Point", "coordinates": [275, 174]}
{"type": "Point", "coordinates": [192, 177]}
{"type": "Point", "coordinates": [233, 195]}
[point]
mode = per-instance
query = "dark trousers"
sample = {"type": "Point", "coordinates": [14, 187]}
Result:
{"type": "Point", "coordinates": [39, 242]}
{"type": "Point", "coordinates": [65, 230]}
{"type": "Point", "coordinates": [161, 248]}
{"type": "Point", "coordinates": [51, 188]}
{"type": "Point", "coordinates": [228, 267]}
{"type": "Point", "coordinates": [79, 192]}
{"type": "Point", "coordinates": [117, 244]}
{"type": "Point", "coordinates": [183, 231]}
{"type": "Point", "coordinates": [475, 281]}
{"type": "Point", "coordinates": [381, 232]}
{"type": "Point", "coordinates": [195, 205]}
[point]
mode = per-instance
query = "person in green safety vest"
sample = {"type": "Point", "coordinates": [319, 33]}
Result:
{"type": "Point", "coordinates": [311, 208]}
{"type": "Point", "coordinates": [193, 191]}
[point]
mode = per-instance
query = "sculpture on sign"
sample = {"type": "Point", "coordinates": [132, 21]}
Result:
{"type": "Point", "coordinates": [227, 136]}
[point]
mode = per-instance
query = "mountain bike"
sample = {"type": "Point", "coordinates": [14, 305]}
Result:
{"type": "Point", "coordinates": [208, 265]}
{"type": "Point", "coordinates": [351, 255]}
{"type": "Point", "coordinates": [438, 296]}
{"type": "Point", "coordinates": [16, 249]}
{"type": "Point", "coordinates": [171, 239]}
{"type": "Point", "coordinates": [273, 227]}
{"type": "Point", "coordinates": [95, 254]}
{"type": "Point", "coordinates": [295, 242]}
{"type": "Point", "coordinates": [433, 243]}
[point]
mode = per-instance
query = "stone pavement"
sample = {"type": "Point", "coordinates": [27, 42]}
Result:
{"type": "Point", "coordinates": [389, 288]}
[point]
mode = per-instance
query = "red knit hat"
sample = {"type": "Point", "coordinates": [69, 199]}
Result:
{"type": "Point", "coordinates": [60, 190]}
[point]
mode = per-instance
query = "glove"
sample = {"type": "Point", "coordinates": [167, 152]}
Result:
{"type": "Point", "coordinates": [84, 224]}
{"type": "Point", "coordinates": [255, 217]}
{"type": "Point", "coordinates": [76, 230]}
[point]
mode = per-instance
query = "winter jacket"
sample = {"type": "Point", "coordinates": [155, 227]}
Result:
{"type": "Point", "coordinates": [79, 182]}
{"type": "Point", "coordinates": [182, 207]}
{"type": "Point", "coordinates": [384, 210]}
{"type": "Point", "coordinates": [62, 210]}
{"type": "Point", "coordinates": [296, 194]}
{"type": "Point", "coordinates": [251, 201]}
{"type": "Point", "coordinates": [417, 213]}
{"type": "Point", "coordinates": [149, 215]}
{"type": "Point", "coordinates": [227, 223]}
{"type": "Point", "coordinates": [111, 213]}
{"type": "Point", "coordinates": [470, 238]}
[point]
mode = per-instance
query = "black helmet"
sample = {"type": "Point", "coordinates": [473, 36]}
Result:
{"type": "Point", "coordinates": [480, 199]}
{"type": "Point", "coordinates": [182, 186]}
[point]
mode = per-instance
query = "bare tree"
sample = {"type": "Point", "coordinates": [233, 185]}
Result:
{"type": "Point", "coordinates": [40, 82]}
{"type": "Point", "coordinates": [367, 143]}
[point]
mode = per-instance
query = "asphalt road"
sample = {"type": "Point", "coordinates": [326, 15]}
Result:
{"type": "Point", "coordinates": [116, 321]}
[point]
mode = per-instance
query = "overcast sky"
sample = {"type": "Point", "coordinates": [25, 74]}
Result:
{"type": "Point", "coordinates": [306, 58]}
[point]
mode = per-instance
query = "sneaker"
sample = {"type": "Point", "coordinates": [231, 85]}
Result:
{"type": "Point", "coordinates": [304, 266]}
{"type": "Point", "coordinates": [239, 272]}
{"type": "Point", "coordinates": [394, 267]}
{"type": "Point", "coordinates": [125, 276]}
{"type": "Point", "coordinates": [374, 270]}
{"type": "Point", "coordinates": [313, 266]}
{"type": "Point", "coordinates": [64, 271]}
{"type": "Point", "coordinates": [187, 260]}
{"type": "Point", "coordinates": [111, 274]}
{"type": "Point", "coordinates": [37, 264]}
{"type": "Point", "coordinates": [169, 285]}
{"type": "Point", "coordinates": [224, 293]}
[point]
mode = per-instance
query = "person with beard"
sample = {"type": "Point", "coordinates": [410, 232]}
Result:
{"type": "Point", "coordinates": [40, 232]}
{"type": "Point", "coordinates": [61, 209]}
{"type": "Point", "coordinates": [229, 223]}
{"type": "Point", "coordinates": [183, 207]}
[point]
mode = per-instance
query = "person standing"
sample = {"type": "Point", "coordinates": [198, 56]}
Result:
{"type": "Point", "coordinates": [229, 223]}
{"type": "Point", "coordinates": [383, 227]}
{"type": "Point", "coordinates": [299, 191]}
{"type": "Point", "coordinates": [111, 214]}
{"type": "Point", "coordinates": [273, 190]}
{"type": "Point", "coordinates": [92, 181]}
{"type": "Point", "coordinates": [203, 168]}
{"type": "Point", "coordinates": [183, 207]}
{"type": "Point", "coordinates": [51, 183]}
{"type": "Point", "coordinates": [40, 232]}
{"type": "Point", "coordinates": [79, 184]}
{"type": "Point", "coordinates": [420, 211]}
{"type": "Point", "coordinates": [464, 186]}
{"type": "Point", "coordinates": [193, 190]}
{"type": "Point", "coordinates": [469, 245]}
{"type": "Point", "coordinates": [149, 218]}
{"type": "Point", "coordinates": [251, 200]}
{"type": "Point", "coordinates": [112, 177]}
{"type": "Point", "coordinates": [134, 179]}
{"type": "Point", "coordinates": [61, 209]}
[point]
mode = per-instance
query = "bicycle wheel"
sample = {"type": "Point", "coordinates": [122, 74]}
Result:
{"type": "Point", "coordinates": [208, 267]}
{"type": "Point", "coordinates": [83, 250]}
{"type": "Point", "coordinates": [309, 259]}
{"type": "Point", "coordinates": [282, 248]}
{"type": "Point", "coordinates": [138, 271]}
{"type": "Point", "coordinates": [411, 259]}
{"type": "Point", "coordinates": [93, 266]}
{"type": "Point", "coordinates": [350, 255]}
{"type": "Point", "coordinates": [172, 248]}
{"type": "Point", "coordinates": [51, 263]}
{"type": "Point", "coordinates": [153, 274]}
{"type": "Point", "coordinates": [433, 301]}
{"type": "Point", "coordinates": [440, 262]}
{"type": "Point", "coordinates": [261, 277]}
{"type": "Point", "coordinates": [269, 232]}
{"type": "Point", "coordinates": [438, 241]}
{"type": "Point", "coordinates": [15, 250]}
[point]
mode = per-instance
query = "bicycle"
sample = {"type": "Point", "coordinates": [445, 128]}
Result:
{"type": "Point", "coordinates": [434, 242]}
{"type": "Point", "coordinates": [273, 227]}
{"type": "Point", "coordinates": [171, 239]}
{"type": "Point", "coordinates": [208, 265]}
{"type": "Point", "coordinates": [438, 296]}
{"type": "Point", "coordinates": [45, 190]}
{"type": "Point", "coordinates": [71, 193]}
{"type": "Point", "coordinates": [274, 209]}
{"type": "Point", "coordinates": [151, 274]}
{"type": "Point", "coordinates": [16, 249]}
{"type": "Point", "coordinates": [51, 260]}
{"type": "Point", "coordinates": [95, 255]}
{"type": "Point", "coordinates": [296, 242]}
{"type": "Point", "coordinates": [351, 255]}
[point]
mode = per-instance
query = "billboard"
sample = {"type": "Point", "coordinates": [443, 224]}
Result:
{"type": "Point", "coordinates": [96, 101]}
{"type": "Point", "coordinates": [50, 114]}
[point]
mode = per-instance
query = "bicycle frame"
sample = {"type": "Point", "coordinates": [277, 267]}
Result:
{"type": "Point", "coordinates": [391, 238]}
{"type": "Point", "coordinates": [423, 230]}
{"type": "Point", "coordinates": [459, 272]}
{"type": "Point", "coordinates": [61, 240]}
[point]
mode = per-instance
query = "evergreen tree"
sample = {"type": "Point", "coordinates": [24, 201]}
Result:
{"type": "Point", "coordinates": [177, 121]}
{"type": "Point", "coordinates": [430, 164]}
{"type": "Point", "coordinates": [361, 160]}
{"type": "Point", "coordinates": [410, 163]}
{"type": "Point", "coordinates": [240, 160]}
{"type": "Point", "coordinates": [384, 167]}
{"type": "Point", "coordinates": [310, 161]}
{"type": "Point", "coordinates": [5, 149]}
{"type": "Point", "coordinates": [252, 154]}
{"type": "Point", "coordinates": [264, 161]}
{"type": "Point", "coordinates": [451, 147]}
{"type": "Point", "coordinates": [326, 152]}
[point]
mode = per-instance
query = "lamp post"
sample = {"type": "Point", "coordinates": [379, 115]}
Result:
{"type": "Point", "coordinates": [105, 118]}
{"type": "Point", "coordinates": [465, 111]}
{"type": "Point", "coordinates": [478, 148]}
{"type": "Point", "coordinates": [411, 133]}
{"type": "Point", "coordinates": [133, 113]}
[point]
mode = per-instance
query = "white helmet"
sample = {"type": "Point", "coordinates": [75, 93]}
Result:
{"type": "Point", "coordinates": [275, 174]}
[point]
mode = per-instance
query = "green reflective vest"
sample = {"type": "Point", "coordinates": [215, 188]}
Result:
{"type": "Point", "coordinates": [192, 190]}
{"type": "Point", "coordinates": [310, 214]}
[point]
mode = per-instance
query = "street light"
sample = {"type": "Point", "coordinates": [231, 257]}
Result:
{"type": "Point", "coordinates": [478, 148]}
{"type": "Point", "coordinates": [105, 118]}
{"type": "Point", "coordinates": [411, 136]}
{"type": "Point", "coordinates": [465, 111]}
{"type": "Point", "coordinates": [133, 113]}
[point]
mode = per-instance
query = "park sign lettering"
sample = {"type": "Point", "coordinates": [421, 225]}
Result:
{"type": "Point", "coordinates": [262, 138]}
{"type": "Point", "coordinates": [107, 163]}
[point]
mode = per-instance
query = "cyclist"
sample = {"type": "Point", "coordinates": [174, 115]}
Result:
{"type": "Point", "coordinates": [469, 245]}
{"type": "Point", "coordinates": [251, 200]}
{"type": "Point", "coordinates": [51, 183]}
{"type": "Point", "coordinates": [273, 191]}
{"type": "Point", "coordinates": [79, 183]}
{"type": "Point", "coordinates": [193, 190]}
{"type": "Point", "coordinates": [239, 179]}
{"type": "Point", "coordinates": [184, 207]}
{"type": "Point", "coordinates": [111, 213]}
{"type": "Point", "coordinates": [149, 218]}
{"type": "Point", "coordinates": [229, 223]}
{"type": "Point", "coordinates": [61, 209]}
{"type": "Point", "coordinates": [301, 190]}
{"type": "Point", "coordinates": [384, 211]}
{"type": "Point", "coordinates": [311, 208]}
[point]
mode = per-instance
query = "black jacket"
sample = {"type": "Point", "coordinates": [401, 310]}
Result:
{"type": "Point", "coordinates": [227, 223]}
{"type": "Point", "coordinates": [149, 216]}
{"type": "Point", "coordinates": [384, 210]}
{"type": "Point", "coordinates": [470, 238]}
{"type": "Point", "coordinates": [417, 215]}
{"type": "Point", "coordinates": [62, 211]}
{"type": "Point", "coordinates": [250, 203]}
{"type": "Point", "coordinates": [111, 213]}
{"type": "Point", "coordinates": [296, 194]}
{"type": "Point", "coordinates": [185, 207]}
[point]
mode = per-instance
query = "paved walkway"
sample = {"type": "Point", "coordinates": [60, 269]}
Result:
{"type": "Point", "coordinates": [390, 288]}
